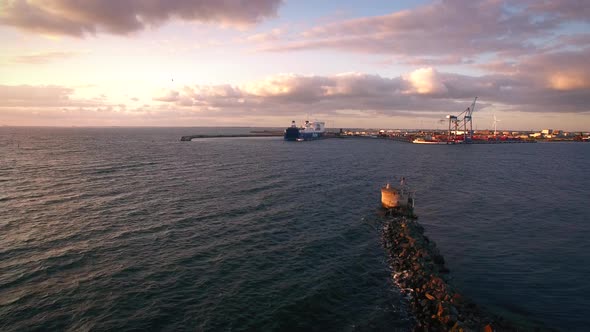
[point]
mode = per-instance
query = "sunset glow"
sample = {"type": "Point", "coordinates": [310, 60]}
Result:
{"type": "Point", "coordinates": [395, 64]}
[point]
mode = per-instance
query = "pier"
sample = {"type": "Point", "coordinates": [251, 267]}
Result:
{"type": "Point", "coordinates": [262, 133]}
{"type": "Point", "coordinates": [419, 270]}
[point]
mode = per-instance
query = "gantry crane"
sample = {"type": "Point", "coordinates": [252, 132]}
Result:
{"type": "Point", "coordinates": [462, 121]}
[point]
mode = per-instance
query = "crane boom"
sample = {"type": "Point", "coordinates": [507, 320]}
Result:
{"type": "Point", "coordinates": [463, 121]}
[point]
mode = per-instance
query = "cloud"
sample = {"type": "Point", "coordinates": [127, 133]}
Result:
{"type": "Point", "coordinates": [563, 71]}
{"type": "Point", "coordinates": [445, 31]}
{"type": "Point", "coordinates": [426, 81]}
{"type": "Point", "coordinates": [26, 95]}
{"type": "Point", "coordinates": [262, 37]}
{"type": "Point", "coordinates": [349, 97]}
{"type": "Point", "coordinates": [167, 95]}
{"type": "Point", "coordinates": [556, 83]}
{"type": "Point", "coordinates": [45, 96]}
{"type": "Point", "coordinates": [568, 81]}
{"type": "Point", "coordinates": [42, 57]}
{"type": "Point", "coordinates": [427, 61]}
{"type": "Point", "coordinates": [422, 91]}
{"type": "Point", "coordinates": [51, 105]}
{"type": "Point", "coordinates": [78, 18]}
{"type": "Point", "coordinates": [564, 9]}
{"type": "Point", "coordinates": [288, 94]}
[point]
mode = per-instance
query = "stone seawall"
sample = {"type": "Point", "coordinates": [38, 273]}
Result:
{"type": "Point", "coordinates": [419, 270]}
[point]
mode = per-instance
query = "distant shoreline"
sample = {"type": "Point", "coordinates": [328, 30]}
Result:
{"type": "Point", "coordinates": [263, 127]}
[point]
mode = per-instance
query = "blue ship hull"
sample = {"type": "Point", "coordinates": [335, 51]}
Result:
{"type": "Point", "coordinates": [310, 132]}
{"type": "Point", "coordinates": [311, 136]}
{"type": "Point", "coordinates": [304, 137]}
{"type": "Point", "coordinates": [292, 134]}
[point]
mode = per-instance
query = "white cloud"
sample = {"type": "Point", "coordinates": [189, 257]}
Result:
{"type": "Point", "coordinates": [426, 81]}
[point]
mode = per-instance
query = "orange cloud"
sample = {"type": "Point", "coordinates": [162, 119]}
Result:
{"type": "Point", "coordinates": [568, 81]}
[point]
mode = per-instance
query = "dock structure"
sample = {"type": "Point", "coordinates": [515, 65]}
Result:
{"type": "Point", "coordinates": [252, 134]}
{"type": "Point", "coordinates": [262, 133]}
{"type": "Point", "coordinates": [419, 270]}
{"type": "Point", "coordinates": [431, 137]}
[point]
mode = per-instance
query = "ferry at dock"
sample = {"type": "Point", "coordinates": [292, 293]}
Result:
{"type": "Point", "coordinates": [308, 132]}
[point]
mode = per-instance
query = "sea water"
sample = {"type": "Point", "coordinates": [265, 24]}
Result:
{"type": "Point", "coordinates": [131, 229]}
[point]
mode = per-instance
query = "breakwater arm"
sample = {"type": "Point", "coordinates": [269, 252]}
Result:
{"type": "Point", "coordinates": [419, 270]}
{"type": "Point", "coordinates": [253, 134]}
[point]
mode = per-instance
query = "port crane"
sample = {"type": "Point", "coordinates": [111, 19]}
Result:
{"type": "Point", "coordinates": [463, 121]}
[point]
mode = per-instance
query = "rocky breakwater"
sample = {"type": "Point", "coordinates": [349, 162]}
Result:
{"type": "Point", "coordinates": [419, 270]}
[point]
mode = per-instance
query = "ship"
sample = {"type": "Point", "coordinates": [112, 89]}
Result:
{"type": "Point", "coordinates": [398, 201]}
{"type": "Point", "coordinates": [429, 140]}
{"type": "Point", "coordinates": [425, 141]}
{"type": "Point", "coordinates": [309, 131]}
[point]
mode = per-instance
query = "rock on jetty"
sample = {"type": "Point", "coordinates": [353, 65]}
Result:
{"type": "Point", "coordinates": [419, 270]}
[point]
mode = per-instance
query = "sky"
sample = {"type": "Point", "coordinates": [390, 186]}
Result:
{"type": "Point", "coordinates": [263, 63]}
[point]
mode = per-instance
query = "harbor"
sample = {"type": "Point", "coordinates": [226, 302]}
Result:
{"type": "Point", "coordinates": [459, 131]}
{"type": "Point", "coordinates": [417, 136]}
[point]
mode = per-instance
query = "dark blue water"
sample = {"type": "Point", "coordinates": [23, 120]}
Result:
{"type": "Point", "coordinates": [130, 229]}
